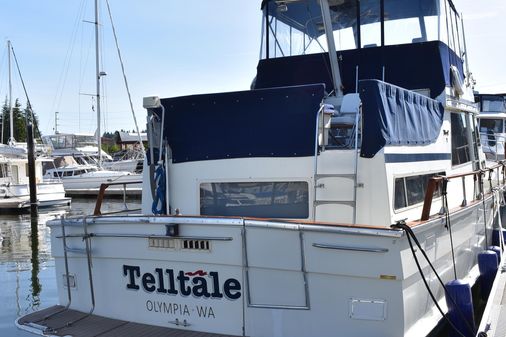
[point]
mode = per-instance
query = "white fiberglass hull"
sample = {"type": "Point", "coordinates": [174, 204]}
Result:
{"type": "Point", "coordinates": [130, 165]}
{"type": "Point", "coordinates": [93, 180]}
{"type": "Point", "coordinates": [262, 278]}
{"type": "Point", "coordinates": [18, 195]}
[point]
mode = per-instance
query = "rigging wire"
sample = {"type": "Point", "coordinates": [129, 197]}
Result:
{"type": "Point", "coordinates": [124, 75]}
{"type": "Point", "coordinates": [67, 62]}
{"type": "Point", "coordinates": [103, 94]}
{"type": "Point", "coordinates": [4, 56]}
{"type": "Point", "coordinates": [82, 70]}
{"type": "Point", "coordinates": [28, 103]}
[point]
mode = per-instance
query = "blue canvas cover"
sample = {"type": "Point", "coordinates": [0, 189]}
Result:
{"type": "Point", "coordinates": [277, 122]}
{"type": "Point", "coordinates": [396, 116]}
{"type": "Point", "coordinates": [412, 66]}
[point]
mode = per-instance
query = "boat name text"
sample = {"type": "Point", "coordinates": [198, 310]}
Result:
{"type": "Point", "coordinates": [167, 281]}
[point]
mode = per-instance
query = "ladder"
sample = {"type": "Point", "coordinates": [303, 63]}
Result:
{"type": "Point", "coordinates": [341, 176]}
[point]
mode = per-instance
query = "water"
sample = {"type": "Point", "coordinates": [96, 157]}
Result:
{"type": "Point", "coordinates": [27, 275]}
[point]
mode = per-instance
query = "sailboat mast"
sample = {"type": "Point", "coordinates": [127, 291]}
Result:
{"type": "Point", "coordinates": [97, 63]}
{"type": "Point", "coordinates": [11, 117]}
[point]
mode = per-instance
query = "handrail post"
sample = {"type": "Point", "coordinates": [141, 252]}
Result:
{"type": "Point", "coordinates": [101, 194]}
{"type": "Point", "coordinates": [124, 197]}
{"type": "Point", "coordinates": [464, 200]}
{"type": "Point", "coordinates": [490, 170]}
{"type": "Point", "coordinates": [100, 198]}
{"type": "Point", "coordinates": [427, 203]}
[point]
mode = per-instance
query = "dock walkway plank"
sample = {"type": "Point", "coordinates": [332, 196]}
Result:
{"type": "Point", "coordinates": [97, 326]}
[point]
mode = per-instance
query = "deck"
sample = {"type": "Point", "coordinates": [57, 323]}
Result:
{"type": "Point", "coordinates": [91, 325]}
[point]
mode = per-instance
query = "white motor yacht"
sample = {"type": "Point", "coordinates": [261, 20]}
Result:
{"type": "Point", "coordinates": [14, 185]}
{"type": "Point", "coordinates": [85, 179]}
{"type": "Point", "coordinates": [84, 148]}
{"type": "Point", "coordinates": [345, 194]}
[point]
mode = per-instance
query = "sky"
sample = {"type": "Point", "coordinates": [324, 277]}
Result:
{"type": "Point", "coordinates": [169, 48]}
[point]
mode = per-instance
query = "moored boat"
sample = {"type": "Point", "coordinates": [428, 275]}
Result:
{"type": "Point", "coordinates": [291, 209]}
{"type": "Point", "coordinates": [492, 119]}
{"type": "Point", "coordinates": [14, 186]}
{"type": "Point", "coordinates": [14, 181]}
{"type": "Point", "coordinates": [85, 179]}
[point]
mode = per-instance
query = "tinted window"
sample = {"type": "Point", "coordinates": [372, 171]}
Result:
{"type": "Point", "coordinates": [400, 194]}
{"type": "Point", "coordinates": [258, 199]}
{"type": "Point", "coordinates": [460, 144]}
{"type": "Point", "coordinates": [411, 190]}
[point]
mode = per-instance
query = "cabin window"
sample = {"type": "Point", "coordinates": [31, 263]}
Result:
{"type": "Point", "coordinates": [255, 199]}
{"type": "Point", "coordinates": [460, 141]}
{"type": "Point", "coordinates": [370, 17]}
{"type": "Point", "coordinates": [296, 27]}
{"type": "Point", "coordinates": [411, 190]}
{"type": "Point", "coordinates": [493, 104]}
{"type": "Point", "coordinates": [4, 173]}
{"type": "Point", "coordinates": [495, 125]}
{"type": "Point", "coordinates": [68, 173]}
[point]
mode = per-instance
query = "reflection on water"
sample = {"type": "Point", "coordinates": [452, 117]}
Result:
{"type": "Point", "coordinates": [27, 276]}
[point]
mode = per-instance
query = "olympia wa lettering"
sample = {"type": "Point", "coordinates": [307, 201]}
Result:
{"type": "Point", "coordinates": [167, 281]}
{"type": "Point", "coordinates": [178, 309]}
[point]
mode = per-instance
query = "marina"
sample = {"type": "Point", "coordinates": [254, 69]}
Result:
{"type": "Point", "coordinates": [356, 187]}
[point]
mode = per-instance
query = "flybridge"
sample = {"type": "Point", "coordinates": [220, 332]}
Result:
{"type": "Point", "coordinates": [167, 281]}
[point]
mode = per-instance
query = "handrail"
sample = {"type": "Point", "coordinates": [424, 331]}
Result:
{"type": "Point", "coordinates": [101, 193]}
{"type": "Point", "coordinates": [434, 182]}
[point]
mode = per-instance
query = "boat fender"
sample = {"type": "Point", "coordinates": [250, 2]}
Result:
{"type": "Point", "coordinates": [487, 263]}
{"type": "Point", "coordinates": [495, 237]}
{"type": "Point", "coordinates": [457, 82]}
{"type": "Point", "coordinates": [462, 304]}
{"type": "Point", "coordinates": [497, 251]}
{"type": "Point", "coordinates": [159, 204]}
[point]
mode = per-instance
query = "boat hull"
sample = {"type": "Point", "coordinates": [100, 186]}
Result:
{"type": "Point", "coordinates": [265, 278]}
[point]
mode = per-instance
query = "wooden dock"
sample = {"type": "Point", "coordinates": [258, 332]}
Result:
{"type": "Point", "coordinates": [54, 321]}
{"type": "Point", "coordinates": [493, 323]}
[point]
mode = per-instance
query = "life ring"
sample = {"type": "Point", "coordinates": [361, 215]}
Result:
{"type": "Point", "coordinates": [457, 83]}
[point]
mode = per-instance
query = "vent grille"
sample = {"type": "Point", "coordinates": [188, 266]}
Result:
{"type": "Point", "coordinates": [195, 244]}
{"type": "Point", "coordinates": [162, 243]}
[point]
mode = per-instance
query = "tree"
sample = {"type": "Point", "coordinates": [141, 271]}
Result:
{"type": "Point", "coordinates": [19, 118]}
{"type": "Point", "coordinates": [32, 117]}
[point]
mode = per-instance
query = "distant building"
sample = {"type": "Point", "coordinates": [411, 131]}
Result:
{"type": "Point", "coordinates": [130, 140]}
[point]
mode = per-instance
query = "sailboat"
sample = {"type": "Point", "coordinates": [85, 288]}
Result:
{"type": "Point", "coordinates": [84, 169]}
{"type": "Point", "coordinates": [14, 184]}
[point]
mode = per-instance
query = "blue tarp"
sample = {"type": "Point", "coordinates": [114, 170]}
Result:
{"type": "Point", "coordinates": [396, 116]}
{"type": "Point", "coordinates": [278, 122]}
